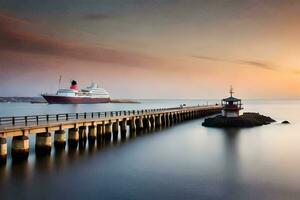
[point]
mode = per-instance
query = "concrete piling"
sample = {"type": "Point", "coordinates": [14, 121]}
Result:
{"type": "Point", "coordinates": [99, 131]}
{"type": "Point", "coordinates": [3, 150]}
{"type": "Point", "coordinates": [146, 122]}
{"type": "Point", "coordinates": [73, 137]}
{"type": "Point", "coordinates": [178, 117]}
{"type": "Point", "coordinates": [132, 125]}
{"type": "Point", "coordinates": [82, 138]}
{"type": "Point", "coordinates": [115, 129]}
{"type": "Point", "coordinates": [174, 118]}
{"type": "Point", "coordinates": [123, 130]}
{"type": "Point", "coordinates": [60, 139]}
{"type": "Point", "coordinates": [108, 130]}
{"type": "Point", "coordinates": [158, 121]}
{"type": "Point", "coordinates": [123, 124]}
{"type": "Point", "coordinates": [82, 133]}
{"type": "Point", "coordinates": [92, 133]}
{"type": "Point", "coordinates": [152, 121]}
{"type": "Point", "coordinates": [184, 116]}
{"type": "Point", "coordinates": [167, 119]}
{"type": "Point", "coordinates": [43, 144]}
{"type": "Point", "coordinates": [139, 123]}
{"type": "Point", "coordinates": [92, 137]}
{"type": "Point", "coordinates": [163, 120]}
{"type": "Point", "coordinates": [170, 120]}
{"type": "Point", "coordinates": [197, 114]}
{"type": "Point", "coordinates": [20, 147]}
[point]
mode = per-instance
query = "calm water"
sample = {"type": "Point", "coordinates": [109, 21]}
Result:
{"type": "Point", "coordinates": [186, 161]}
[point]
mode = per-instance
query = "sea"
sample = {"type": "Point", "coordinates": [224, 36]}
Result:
{"type": "Point", "coordinates": [186, 161]}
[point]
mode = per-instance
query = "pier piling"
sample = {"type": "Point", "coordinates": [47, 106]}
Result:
{"type": "Point", "coordinates": [60, 139]}
{"type": "Point", "coordinates": [92, 134]}
{"type": "Point", "coordinates": [123, 124]}
{"type": "Point", "coordinates": [163, 120]}
{"type": "Point", "coordinates": [82, 133]}
{"type": "Point", "coordinates": [152, 121]}
{"type": "Point", "coordinates": [99, 132]}
{"type": "Point", "coordinates": [157, 121]}
{"type": "Point", "coordinates": [132, 124]}
{"type": "Point", "coordinates": [3, 151]}
{"type": "Point", "coordinates": [20, 148]}
{"type": "Point", "coordinates": [108, 130]}
{"type": "Point", "coordinates": [43, 143]}
{"type": "Point", "coordinates": [146, 122]}
{"type": "Point", "coordinates": [73, 138]}
{"type": "Point", "coordinates": [139, 123]}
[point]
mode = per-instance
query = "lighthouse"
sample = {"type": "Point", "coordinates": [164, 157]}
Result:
{"type": "Point", "coordinates": [231, 106]}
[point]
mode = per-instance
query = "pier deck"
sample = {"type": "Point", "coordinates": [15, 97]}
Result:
{"type": "Point", "coordinates": [97, 124]}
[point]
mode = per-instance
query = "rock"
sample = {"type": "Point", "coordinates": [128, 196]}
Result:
{"type": "Point", "coordinates": [245, 120]}
{"type": "Point", "coordinates": [285, 122]}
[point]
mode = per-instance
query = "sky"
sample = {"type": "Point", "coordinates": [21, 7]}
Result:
{"type": "Point", "coordinates": [173, 49]}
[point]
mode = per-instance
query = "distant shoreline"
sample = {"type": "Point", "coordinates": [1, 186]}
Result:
{"type": "Point", "coordinates": [124, 101]}
{"type": "Point", "coordinates": [42, 100]}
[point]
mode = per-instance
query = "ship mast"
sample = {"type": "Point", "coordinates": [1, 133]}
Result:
{"type": "Point", "coordinates": [59, 82]}
{"type": "Point", "coordinates": [231, 91]}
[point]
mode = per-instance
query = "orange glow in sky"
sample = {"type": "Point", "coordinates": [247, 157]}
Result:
{"type": "Point", "coordinates": [183, 49]}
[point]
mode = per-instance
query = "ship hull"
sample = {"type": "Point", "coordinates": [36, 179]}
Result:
{"type": "Point", "coordinates": [74, 100]}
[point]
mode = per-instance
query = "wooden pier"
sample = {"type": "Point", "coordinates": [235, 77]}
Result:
{"type": "Point", "coordinates": [93, 125]}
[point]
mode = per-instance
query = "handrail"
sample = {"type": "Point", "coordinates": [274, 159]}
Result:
{"type": "Point", "coordinates": [62, 117]}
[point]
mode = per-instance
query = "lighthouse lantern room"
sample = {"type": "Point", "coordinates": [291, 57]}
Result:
{"type": "Point", "coordinates": [231, 106]}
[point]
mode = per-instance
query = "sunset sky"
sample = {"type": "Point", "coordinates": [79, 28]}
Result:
{"type": "Point", "coordinates": [152, 48]}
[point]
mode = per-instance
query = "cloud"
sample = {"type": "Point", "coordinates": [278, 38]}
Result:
{"type": "Point", "coordinates": [17, 36]}
{"type": "Point", "coordinates": [96, 16]}
{"type": "Point", "coordinates": [296, 71]}
{"type": "Point", "coordinates": [210, 58]}
{"type": "Point", "coordinates": [257, 64]}
{"type": "Point", "coordinates": [244, 62]}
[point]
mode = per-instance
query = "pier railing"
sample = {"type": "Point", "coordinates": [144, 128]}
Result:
{"type": "Point", "coordinates": [62, 117]}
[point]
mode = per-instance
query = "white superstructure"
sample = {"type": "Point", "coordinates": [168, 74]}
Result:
{"type": "Point", "coordinates": [92, 91]}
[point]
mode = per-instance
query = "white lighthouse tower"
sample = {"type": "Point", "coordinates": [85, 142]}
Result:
{"type": "Point", "coordinates": [231, 105]}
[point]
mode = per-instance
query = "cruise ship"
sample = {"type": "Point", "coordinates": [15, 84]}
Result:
{"type": "Point", "coordinates": [73, 95]}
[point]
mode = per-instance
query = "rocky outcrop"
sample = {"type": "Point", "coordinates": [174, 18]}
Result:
{"type": "Point", "coordinates": [245, 120]}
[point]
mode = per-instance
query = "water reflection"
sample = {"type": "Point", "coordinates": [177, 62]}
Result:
{"type": "Point", "coordinates": [92, 146]}
{"type": "Point", "coordinates": [231, 154]}
{"type": "Point", "coordinates": [20, 170]}
{"type": "Point", "coordinates": [59, 158]}
{"type": "Point", "coordinates": [62, 156]}
{"type": "Point", "coordinates": [259, 163]}
{"type": "Point", "coordinates": [66, 156]}
{"type": "Point", "coordinates": [42, 163]}
{"type": "Point", "coordinates": [231, 162]}
{"type": "Point", "coordinates": [230, 140]}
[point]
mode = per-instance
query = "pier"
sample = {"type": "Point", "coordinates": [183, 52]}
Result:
{"type": "Point", "coordinates": [94, 126]}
